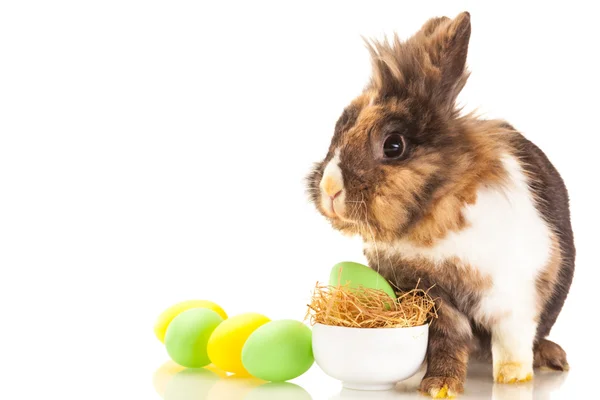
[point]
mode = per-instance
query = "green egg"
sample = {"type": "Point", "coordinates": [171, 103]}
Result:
{"type": "Point", "coordinates": [278, 351]}
{"type": "Point", "coordinates": [188, 334]}
{"type": "Point", "coordinates": [355, 275]}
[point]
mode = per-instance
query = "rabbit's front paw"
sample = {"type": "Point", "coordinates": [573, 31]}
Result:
{"type": "Point", "coordinates": [512, 347]}
{"type": "Point", "coordinates": [441, 387]}
{"type": "Point", "coordinates": [513, 372]}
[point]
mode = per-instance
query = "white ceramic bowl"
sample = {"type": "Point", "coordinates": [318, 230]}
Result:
{"type": "Point", "coordinates": [369, 359]}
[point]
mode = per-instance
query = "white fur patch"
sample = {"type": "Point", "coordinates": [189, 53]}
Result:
{"type": "Point", "coordinates": [332, 171]}
{"type": "Point", "coordinates": [508, 241]}
{"type": "Point", "coordinates": [331, 183]}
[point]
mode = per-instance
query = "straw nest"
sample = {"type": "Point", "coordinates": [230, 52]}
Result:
{"type": "Point", "coordinates": [369, 308]}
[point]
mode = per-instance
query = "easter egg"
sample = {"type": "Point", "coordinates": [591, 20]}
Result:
{"type": "Point", "coordinates": [226, 342]}
{"type": "Point", "coordinates": [188, 334]}
{"type": "Point", "coordinates": [278, 351]}
{"type": "Point", "coordinates": [165, 318]}
{"type": "Point", "coordinates": [355, 275]}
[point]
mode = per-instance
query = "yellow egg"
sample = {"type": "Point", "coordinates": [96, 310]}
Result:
{"type": "Point", "coordinates": [227, 340]}
{"type": "Point", "coordinates": [164, 319]}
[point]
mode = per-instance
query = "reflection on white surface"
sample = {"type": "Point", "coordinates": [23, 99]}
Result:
{"type": "Point", "coordinates": [349, 394]}
{"type": "Point", "coordinates": [175, 383]}
{"type": "Point", "coordinates": [274, 391]}
{"type": "Point", "coordinates": [190, 384]}
{"type": "Point", "coordinates": [479, 385]}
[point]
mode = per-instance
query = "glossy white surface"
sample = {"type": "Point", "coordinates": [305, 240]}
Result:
{"type": "Point", "coordinates": [369, 359]}
{"type": "Point", "coordinates": [195, 385]}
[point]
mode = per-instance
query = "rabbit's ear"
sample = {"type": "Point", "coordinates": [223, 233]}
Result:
{"type": "Point", "coordinates": [448, 46]}
{"type": "Point", "coordinates": [429, 64]}
{"type": "Point", "coordinates": [457, 37]}
{"type": "Point", "coordinates": [431, 26]}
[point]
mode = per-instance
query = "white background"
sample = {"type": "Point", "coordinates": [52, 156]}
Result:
{"type": "Point", "coordinates": [152, 152]}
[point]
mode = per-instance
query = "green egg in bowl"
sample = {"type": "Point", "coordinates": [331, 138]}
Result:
{"type": "Point", "coordinates": [354, 275]}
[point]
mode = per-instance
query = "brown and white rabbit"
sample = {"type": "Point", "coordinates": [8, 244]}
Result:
{"type": "Point", "coordinates": [466, 205]}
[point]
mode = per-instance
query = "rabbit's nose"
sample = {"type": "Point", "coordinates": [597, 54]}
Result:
{"type": "Point", "coordinates": [335, 195]}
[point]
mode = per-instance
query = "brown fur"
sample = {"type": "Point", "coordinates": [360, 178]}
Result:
{"type": "Point", "coordinates": [553, 203]}
{"type": "Point", "coordinates": [419, 197]}
{"type": "Point", "coordinates": [548, 278]}
{"type": "Point", "coordinates": [447, 356]}
{"type": "Point", "coordinates": [459, 286]}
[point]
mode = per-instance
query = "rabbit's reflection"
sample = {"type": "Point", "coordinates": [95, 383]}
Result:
{"type": "Point", "coordinates": [479, 385]}
{"type": "Point", "coordinates": [175, 383]}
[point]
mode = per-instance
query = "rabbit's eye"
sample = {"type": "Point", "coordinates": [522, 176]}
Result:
{"type": "Point", "coordinates": [393, 146]}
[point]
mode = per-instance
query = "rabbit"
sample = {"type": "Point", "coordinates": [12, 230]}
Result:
{"type": "Point", "coordinates": [466, 206]}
